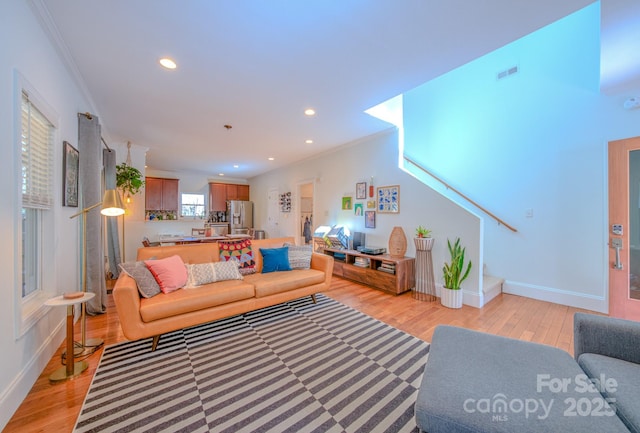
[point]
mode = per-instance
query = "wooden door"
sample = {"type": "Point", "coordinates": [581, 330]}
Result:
{"type": "Point", "coordinates": [624, 228]}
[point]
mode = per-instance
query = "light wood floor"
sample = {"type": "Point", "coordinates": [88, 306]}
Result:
{"type": "Point", "coordinates": [55, 407]}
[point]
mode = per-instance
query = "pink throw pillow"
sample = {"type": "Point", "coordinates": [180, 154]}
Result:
{"type": "Point", "coordinates": [170, 273]}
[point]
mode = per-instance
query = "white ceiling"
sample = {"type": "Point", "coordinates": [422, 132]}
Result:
{"type": "Point", "coordinates": [256, 65]}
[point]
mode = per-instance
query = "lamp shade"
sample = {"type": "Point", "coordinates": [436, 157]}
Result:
{"type": "Point", "coordinates": [112, 203]}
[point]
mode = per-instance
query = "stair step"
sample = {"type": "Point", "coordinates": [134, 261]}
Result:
{"type": "Point", "coordinates": [492, 284]}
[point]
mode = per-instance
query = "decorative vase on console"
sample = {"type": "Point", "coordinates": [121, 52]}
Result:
{"type": "Point", "coordinates": [397, 243]}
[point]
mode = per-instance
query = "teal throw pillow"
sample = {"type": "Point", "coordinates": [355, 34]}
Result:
{"type": "Point", "coordinates": [275, 259]}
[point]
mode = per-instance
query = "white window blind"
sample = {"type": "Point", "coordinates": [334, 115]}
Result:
{"type": "Point", "coordinates": [37, 157]}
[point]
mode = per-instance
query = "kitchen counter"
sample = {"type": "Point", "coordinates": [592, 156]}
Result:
{"type": "Point", "coordinates": [178, 240]}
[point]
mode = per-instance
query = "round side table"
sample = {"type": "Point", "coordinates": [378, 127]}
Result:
{"type": "Point", "coordinates": [72, 369]}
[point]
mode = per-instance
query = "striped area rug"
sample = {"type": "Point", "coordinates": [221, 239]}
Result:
{"type": "Point", "coordinates": [295, 367]}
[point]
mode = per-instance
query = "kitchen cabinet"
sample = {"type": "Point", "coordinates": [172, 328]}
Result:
{"type": "Point", "coordinates": [217, 197]}
{"type": "Point", "coordinates": [220, 193]}
{"type": "Point", "coordinates": [161, 194]}
{"type": "Point", "coordinates": [232, 192]}
{"type": "Point", "coordinates": [243, 192]}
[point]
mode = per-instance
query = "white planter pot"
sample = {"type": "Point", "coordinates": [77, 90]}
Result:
{"type": "Point", "coordinates": [451, 298]}
{"type": "Point", "coordinates": [423, 244]}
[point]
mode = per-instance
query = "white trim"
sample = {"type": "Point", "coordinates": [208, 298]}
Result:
{"type": "Point", "coordinates": [14, 394]}
{"type": "Point", "coordinates": [27, 312]}
{"type": "Point", "coordinates": [298, 208]}
{"type": "Point", "coordinates": [557, 296]}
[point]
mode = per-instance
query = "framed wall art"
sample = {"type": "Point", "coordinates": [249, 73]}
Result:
{"type": "Point", "coordinates": [70, 167]}
{"type": "Point", "coordinates": [388, 199]}
{"type": "Point", "coordinates": [285, 202]}
{"type": "Point", "coordinates": [346, 203]}
{"type": "Point", "coordinates": [370, 219]}
{"type": "Point", "coordinates": [361, 190]}
{"type": "Point", "coordinates": [358, 209]}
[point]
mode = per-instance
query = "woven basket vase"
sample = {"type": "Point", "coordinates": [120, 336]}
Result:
{"type": "Point", "coordinates": [397, 242]}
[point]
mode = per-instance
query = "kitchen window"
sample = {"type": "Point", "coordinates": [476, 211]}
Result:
{"type": "Point", "coordinates": [192, 205]}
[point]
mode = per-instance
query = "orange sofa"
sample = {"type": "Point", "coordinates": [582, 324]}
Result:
{"type": "Point", "coordinates": [151, 317]}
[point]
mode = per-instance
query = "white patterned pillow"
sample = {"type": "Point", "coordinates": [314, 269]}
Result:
{"type": "Point", "coordinates": [300, 256]}
{"type": "Point", "coordinates": [205, 273]}
{"type": "Point", "coordinates": [146, 282]}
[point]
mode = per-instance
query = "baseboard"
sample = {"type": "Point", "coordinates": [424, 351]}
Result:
{"type": "Point", "coordinates": [472, 299]}
{"type": "Point", "coordinates": [557, 296]}
{"type": "Point", "coordinates": [12, 396]}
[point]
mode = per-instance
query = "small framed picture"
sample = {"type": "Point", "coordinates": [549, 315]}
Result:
{"type": "Point", "coordinates": [357, 209]}
{"type": "Point", "coordinates": [371, 204]}
{"type": "Point", "coordinates": [361, 190]}
{"type": "Point", "coordinates": [346, 203]}
{"type": "Point", "coordinates": [370, 219]}
{"type": "Point", "coordinates": [70, 167]}
{"type": "Point", "coordinates": [388, 199]}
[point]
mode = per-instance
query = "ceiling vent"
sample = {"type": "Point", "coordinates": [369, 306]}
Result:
{"type": "Point", "coordinates": [507, 72]}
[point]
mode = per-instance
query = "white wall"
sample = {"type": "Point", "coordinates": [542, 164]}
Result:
{"type": "Point", "coordinates": [25, 48]}
{"type": "Point", "coordinates": [335, 175]}
{"type": "Point", "coordinates": [536, 140]}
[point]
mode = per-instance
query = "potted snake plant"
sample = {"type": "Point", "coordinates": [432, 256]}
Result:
{"type": "Point", "coordinates": [454, 273]}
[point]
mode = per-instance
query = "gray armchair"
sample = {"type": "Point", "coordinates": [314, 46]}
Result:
{"type": "Point", "coordinates": [608, 350]}
{"type": "Point", "coordinates": [474, 382]}
{"type": "Point", "coordinates": [606, 336]}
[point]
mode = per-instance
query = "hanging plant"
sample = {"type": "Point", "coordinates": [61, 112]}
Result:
{"type": "Point", "coordinates": [128, 179]}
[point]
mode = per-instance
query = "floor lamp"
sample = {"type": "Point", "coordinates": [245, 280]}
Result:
{"type": "Point", "coordinates": [111, 206]}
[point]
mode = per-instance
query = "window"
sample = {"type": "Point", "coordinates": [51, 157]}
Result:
{"type": "Point", "coordinates": [36, 144]}
{"type": "Point", "coordinates": [192, 205]}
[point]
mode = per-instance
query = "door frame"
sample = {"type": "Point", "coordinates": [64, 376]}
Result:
{"type": "Point", "coordinates": [300, 184]}
{"type": "Point", "coordinates": [620, 303]}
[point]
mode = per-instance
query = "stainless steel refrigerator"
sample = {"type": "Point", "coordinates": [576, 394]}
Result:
{"type": "Point", "coordinates": [240, 216]}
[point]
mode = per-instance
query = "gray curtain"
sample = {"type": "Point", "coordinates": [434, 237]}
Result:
{"type": "Point", "coordinates": [113, 238]}
{"type": "Point", "coordinates": [90, 178]}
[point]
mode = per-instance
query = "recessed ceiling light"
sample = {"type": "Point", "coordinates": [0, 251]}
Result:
{"type": "Point", "coordinates": [168, 63]}
{"type": "Point", "coordinates": [271, 158]}
{"type": "Point", "coordinates": [235, 166]}
{"type": "Point", "coordinates": [220, 174]}
{"type": "Point", "coordinates": [309, 141]}
{"type": "Point", "coordinates": [310, 112]}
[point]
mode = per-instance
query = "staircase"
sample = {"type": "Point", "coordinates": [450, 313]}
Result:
{"type": "Point", "coordinates": [491, 287]}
